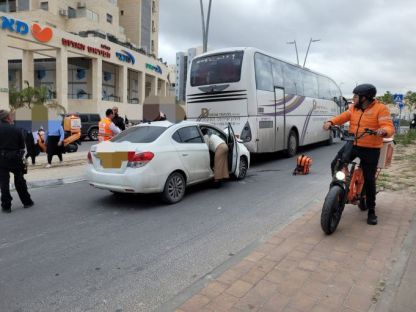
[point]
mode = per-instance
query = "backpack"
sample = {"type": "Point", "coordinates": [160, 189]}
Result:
{"type": "Point", "coordinates": [303, 165]}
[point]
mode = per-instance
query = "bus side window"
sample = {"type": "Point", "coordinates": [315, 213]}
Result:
{"type": "Point", "coordinates": [310, 84]}
{"type": "Point", "coordinates": [293, 80]}
{"type": "Point", "coordinates": [324, 88]}
{"type": "Point", "coordinates": [277, 73]}
{"type": "Point", "coordinates": [264, 79]}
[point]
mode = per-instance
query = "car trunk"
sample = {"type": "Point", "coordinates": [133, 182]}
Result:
{"type": "Point", "coordinates": [114, 157]}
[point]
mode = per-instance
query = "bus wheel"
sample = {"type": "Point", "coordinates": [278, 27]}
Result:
{"type": "Point", "coordinates": [292, 144]}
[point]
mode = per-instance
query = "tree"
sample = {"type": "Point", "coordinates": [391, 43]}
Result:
{"type": "Point", "coordinates": [410, 100]}
{"type": "Point", "coordinates": [387, 98]}
{"type": "Point", "coordinates": [32, 96]}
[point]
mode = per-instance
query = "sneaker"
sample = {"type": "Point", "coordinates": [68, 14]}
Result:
{"type": "Point", "coordinates": [371, 218]}
{"type": "Point", "coordinates": [48, 166]}
{"type": "Point", "coordinates": [28, 205]}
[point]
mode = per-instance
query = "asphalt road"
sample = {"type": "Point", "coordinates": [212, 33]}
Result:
{"type": "Point", "coordinates": [83, 249]}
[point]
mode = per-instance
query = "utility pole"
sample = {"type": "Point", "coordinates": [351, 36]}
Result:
{"type": "Point", "coordinates": [307, 51]}
{"type": "Point", "coordinates": [205, 27]}
{"type": "Point", "coordinates": [296, 48]}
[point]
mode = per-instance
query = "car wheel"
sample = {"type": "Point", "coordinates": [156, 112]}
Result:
{"type": "Point", "coordinates": [174, 188]}
{"type": "Point", "coordinates": [93, 134]}
{"type": "Point", "coordinates": [292, 144]}
{"type": "Point", "coordinates": [243, 166]}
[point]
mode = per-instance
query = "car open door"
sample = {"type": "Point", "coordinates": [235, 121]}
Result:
{"type": "Point", "coordinates": [232, 150]}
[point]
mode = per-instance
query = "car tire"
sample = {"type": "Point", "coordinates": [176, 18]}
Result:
{"type": "Point", "coordinates": [243, 167]}
{"type": "Point", "coordinates": [174, 189]}
{"type": "Point", "coordinates": [292, 144]}
{"type": "Point", "coordinates": [93, 134]}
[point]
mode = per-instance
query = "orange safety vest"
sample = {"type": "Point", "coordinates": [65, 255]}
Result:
{"type": "Point", "coordinates": [104, 131]}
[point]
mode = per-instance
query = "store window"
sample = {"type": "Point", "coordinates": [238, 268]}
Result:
{"type": "Point", "coordinates": [109, 82]}
{"type": "Point", "coordinates": [79, 73]}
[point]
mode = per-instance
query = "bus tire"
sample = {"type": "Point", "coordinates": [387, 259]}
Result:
{"type": "Point", "coordinates": [292, 144]}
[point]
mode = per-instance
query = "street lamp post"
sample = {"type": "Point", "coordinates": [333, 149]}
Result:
{"type": "Point", "coordinates": [205, 27]}
{"type": "Point", "coordinates": [296, 48]}
{"type": "Point", "coordinates": [307, 51]}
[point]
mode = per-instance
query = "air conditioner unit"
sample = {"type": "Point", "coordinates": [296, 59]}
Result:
{"type": "Point", "coordinates": [81, 5]}
{"type": "Point", "coordinates": [63, 12]}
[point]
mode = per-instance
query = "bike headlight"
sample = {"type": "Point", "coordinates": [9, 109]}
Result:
{"type": "Point", "coordinates": [340, 176]}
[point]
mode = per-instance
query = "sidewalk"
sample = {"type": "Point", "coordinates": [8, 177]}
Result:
{"type": "Point", "coordinates": [72, 169]}
{"type": "Point", "coordinates": [301, 269]}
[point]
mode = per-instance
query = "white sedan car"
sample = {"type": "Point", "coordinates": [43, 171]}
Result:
{"type": "Point", "coordinates": [161, 157]}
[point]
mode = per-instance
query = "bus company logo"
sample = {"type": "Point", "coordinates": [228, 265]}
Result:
{"type": "Point", "coordinates": [125, 56]}
{"type": "Point", "coordinates": [15, 26]}
{"type": "Point", "coordinates": [204, 113]}
{"type": "Point", "coordinates": [155, 68]}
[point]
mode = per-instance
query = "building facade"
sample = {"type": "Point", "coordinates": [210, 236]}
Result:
{"type": "Point", "coordinates": [183, 63]}
{"type": "Point", "coordinates": [82, 52]}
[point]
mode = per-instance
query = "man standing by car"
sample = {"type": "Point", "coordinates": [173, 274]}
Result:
{"type": "Point", "coordinates": [12, 147]}
{"type": "Point", "coordinates": [106, 128]}
{"type": "Point", "coordinates": [117, 120]}
{"type": "Point", "coordinates": [220, 148]}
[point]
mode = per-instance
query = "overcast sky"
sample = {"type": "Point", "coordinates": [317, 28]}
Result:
{"type": "Point", "coordinates": [361, 40]}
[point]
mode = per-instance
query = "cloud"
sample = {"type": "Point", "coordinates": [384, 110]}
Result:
{"type": "Point", "coordinates": [361, 41]}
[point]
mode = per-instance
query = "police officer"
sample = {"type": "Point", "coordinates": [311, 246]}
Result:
{"type": "Point", "coordinates": [12, 147]}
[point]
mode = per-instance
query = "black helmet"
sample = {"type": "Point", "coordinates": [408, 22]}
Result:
{"type": "Point", "coordinates": [366, 89]}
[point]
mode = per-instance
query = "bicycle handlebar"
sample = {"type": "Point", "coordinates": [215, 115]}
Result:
{"type": "Point", "coordinates": [346, 135]}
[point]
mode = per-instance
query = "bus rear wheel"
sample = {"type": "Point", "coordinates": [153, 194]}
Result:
{"type": "Point", "coordinates": [292, 144]}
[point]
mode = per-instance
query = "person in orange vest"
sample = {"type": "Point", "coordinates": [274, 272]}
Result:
{"type": "Point", "coordinates": [106, 128]}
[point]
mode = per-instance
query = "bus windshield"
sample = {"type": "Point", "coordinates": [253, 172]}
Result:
{"type": "Point", "coordinates": [218, 68]}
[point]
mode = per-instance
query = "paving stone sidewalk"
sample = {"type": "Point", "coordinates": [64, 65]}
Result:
{"type": "Point", "coordinates": [301, 269]}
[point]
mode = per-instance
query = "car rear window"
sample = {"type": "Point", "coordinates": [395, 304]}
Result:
{"type": "Point", "coordinates": [139, 134]}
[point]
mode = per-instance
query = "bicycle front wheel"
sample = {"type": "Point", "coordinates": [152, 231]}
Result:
{"type": "Point", "coordinates": [332, 209]}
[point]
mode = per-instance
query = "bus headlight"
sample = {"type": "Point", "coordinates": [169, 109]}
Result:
{"type": "Point", "coordinates": [340, 176]}
{"type": "Point", "coordinates": [246, 133]}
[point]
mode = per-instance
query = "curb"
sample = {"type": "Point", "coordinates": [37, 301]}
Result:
{"type": "Point", "coordinates": [52, 182]}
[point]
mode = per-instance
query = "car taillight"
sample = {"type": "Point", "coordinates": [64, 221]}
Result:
{"type": "Point", "coordinates": [137, 160]}
{"type": "Point", "coordinates": [89, 158]}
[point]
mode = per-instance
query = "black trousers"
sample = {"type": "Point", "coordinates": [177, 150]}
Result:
{"type": "Point", "coordinates": [368, 162]}
{"type": "Point", "coordinates": [53, 148]}
{"type": "Point", "coordinates": [20, 184]}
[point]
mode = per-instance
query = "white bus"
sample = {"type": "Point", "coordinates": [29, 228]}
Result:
{"type": "Point", "coordinates": [272, 105]}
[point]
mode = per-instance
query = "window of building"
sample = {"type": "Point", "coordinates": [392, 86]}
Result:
{"type": "Point", "coordinates": [23, 5]}
{"type": "Point", "coordinates": [44, 6]}
{"type": "Point", "coordinates": [72, 13]}
{"type": "Point", "coordinates": [8, 6]}
{"type": "Point", "coordinates": [122, 12]}
{"type": "Point", "coordinates": [153, 46]}
{"type": "Point", "coordinates": [91, 15]}
{"type": "Point", "coordinates": [109, 18]}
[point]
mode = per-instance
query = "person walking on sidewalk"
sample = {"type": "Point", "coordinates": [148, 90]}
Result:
{"type": "Point", "coordinates": [106, 128]}
{"type": "Point", "coordinates": [117, 120]}
{"type": "Point", "coordinates": [55, 141]}
{"type": "Point", "coordinates": [366, 112]}
{"type": "Point", "coordinates": [12, 149]}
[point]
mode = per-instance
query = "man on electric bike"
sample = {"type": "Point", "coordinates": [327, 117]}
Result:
{"type": "Point", "coordinates": [366, 113]}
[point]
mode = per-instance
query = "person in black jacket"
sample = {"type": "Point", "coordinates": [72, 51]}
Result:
{"type": "Point", "coordinates": [32, 147]}
{"type": "Point", "coordinates": [12, 148]}
{"type": "Point", "coordinates": [117, 120]}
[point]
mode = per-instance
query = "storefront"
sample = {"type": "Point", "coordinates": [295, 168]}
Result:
{"type": "Point", "coordinates": [83, 74]}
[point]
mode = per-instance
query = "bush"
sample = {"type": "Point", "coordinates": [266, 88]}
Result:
{"type": "Point", "coordinates": [406, 138]}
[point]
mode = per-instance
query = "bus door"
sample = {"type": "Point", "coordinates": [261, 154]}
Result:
{"type": "Point", "coordinates": [280, 122]}
{"type": "Point", "coordinates": [266, 122]}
